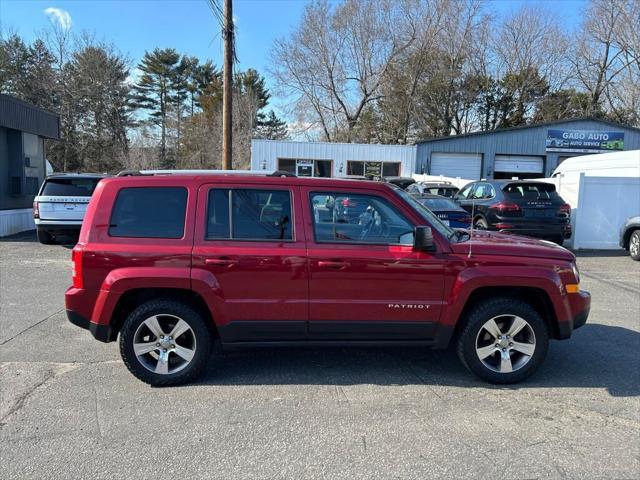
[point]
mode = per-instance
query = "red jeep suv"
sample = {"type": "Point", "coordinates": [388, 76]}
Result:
{"type": "Point", "coordinates": [172, 263]}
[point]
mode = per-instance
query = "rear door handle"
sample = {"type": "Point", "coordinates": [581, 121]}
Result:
{"type": "Point", "coordinates": [332, 264]}
{"type": "Point", "coordinates": [220, 262]}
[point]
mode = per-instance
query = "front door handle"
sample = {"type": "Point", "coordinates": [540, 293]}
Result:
{"type": "Point", "coordinates": [220, 262]}
{"type": "Point", "coordinates": [332, 264]}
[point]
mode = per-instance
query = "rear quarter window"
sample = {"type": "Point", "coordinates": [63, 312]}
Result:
{"type": "Point", "coordinates": [149, 212]}
{"type": "Point", "coordinates": [69, 187]}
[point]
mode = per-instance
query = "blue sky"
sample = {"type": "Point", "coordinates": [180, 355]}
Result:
{"type": "Point", "coordinates": [134, 26]}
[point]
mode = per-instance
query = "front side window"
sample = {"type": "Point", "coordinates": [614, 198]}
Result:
{"type": "Point", "coordinates": [357, 218]}
{"type": "Point", "coordinates": [245, 214]}
{"type": "Point", "coordinates": [149, 212]}
{"type": "Point", "coordinates": [465, 192]}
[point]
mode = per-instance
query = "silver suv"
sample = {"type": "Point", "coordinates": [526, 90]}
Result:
{"type": "Point", "coordinates": [61, 203]}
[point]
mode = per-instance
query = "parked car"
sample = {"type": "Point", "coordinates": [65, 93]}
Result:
{"type": "Point", "coordinates": [402, 182]}
{"type": "Point", "coordinates": [444, 189]}
{"type": "Point", "coordinates": [525, 207]}
{"type": "Point", "coordinates": [168, 263]}
{"type": "Point", "coordinates": [630, 237]}
{"type": "Point", "coordinates": [451, 213]}
{"type": "Point", "coordinates": [60, 205]}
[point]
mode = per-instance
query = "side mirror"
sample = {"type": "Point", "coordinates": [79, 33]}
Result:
{"type": "Point", "coordinates": [423, 239]}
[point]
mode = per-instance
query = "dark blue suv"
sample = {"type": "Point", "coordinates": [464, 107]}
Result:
{"type": "Point", "coordinates": [529, 208]}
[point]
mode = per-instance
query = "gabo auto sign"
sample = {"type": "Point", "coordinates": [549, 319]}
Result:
{"type": "Point", "coordinates": [583, 141]}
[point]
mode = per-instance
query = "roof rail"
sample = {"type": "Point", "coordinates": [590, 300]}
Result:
{"type": "Point", "coordinates": [135, 173]}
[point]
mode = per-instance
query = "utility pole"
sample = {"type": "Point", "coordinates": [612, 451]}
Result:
{"type": "Point", "coordinates": [227, 86]}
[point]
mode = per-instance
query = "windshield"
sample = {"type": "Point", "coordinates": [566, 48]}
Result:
{"type": "Point", "coordinates": [426, 214]}
{"type": "Point", "coordinates": [439, 204]}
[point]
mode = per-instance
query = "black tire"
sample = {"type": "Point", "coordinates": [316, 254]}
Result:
{"type": "Point", "coordinates": [199, 331]}
{"type": "Point", "coordinates": [473, 323]}
{"type": "Point", "coordinates": [481, 224]}
{"type": "Point", "coordinates": [44, 237]}
{"type": "Point", "coordinates": [634, 253]}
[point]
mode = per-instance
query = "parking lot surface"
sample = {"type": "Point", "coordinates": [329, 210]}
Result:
{"type": "Point", "coordinates": [70, 409]}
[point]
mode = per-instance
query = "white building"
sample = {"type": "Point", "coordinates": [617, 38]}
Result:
{"type": "Point", "coordinates": [321, 159]}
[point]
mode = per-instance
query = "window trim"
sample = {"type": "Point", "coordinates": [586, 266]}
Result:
{"type": "Point", "coordinates": [230, 188]}
{"type": "Point", "coordinates": [355, 242]}
{"type": "Point", "coordinates": [184, 218]}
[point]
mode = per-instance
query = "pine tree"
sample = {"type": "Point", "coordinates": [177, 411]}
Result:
{"type": "Point", "coordinates": [156, 92]}
{"type": "Point", "coordinates": [271, 128]}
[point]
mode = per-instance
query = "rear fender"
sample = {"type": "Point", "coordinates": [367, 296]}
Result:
{"type": "Point", "coordinates": [121, 280]}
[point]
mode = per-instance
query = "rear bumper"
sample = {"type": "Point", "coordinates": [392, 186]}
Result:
{"type": "Point", "coordinates": [580, 307]}
{"type": "Point", "coordinates": [538, 231]}
{"type": "Point", "coordinates": [58, 224]}
{"type": "Point", "coordinates": [99, 332]}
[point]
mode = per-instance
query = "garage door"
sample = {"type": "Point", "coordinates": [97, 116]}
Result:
{"type": "Point", "coordinates": [463, 165]}
{"type": "Point", "coordinates": [518, 164]}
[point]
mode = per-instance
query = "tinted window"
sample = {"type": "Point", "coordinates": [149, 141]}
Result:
{"type": "Point", "coordinates": [340, 217]}
{"type": "Point", "coordinates": [154, 212]}
{"type": "Point", "coordinates": [69, 187]}
{"type": "Point", "coordinates": [255, 215]}
{"type": "Point", "coordinates": [218, 225]}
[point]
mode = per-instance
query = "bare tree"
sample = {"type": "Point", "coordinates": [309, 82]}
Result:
{"type": "Point", "coordinates": [607, 49]}
{"type": "Point", "coordinates": [332, 65]}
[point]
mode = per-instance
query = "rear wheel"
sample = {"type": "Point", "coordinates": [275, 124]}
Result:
{"type": "Point", "coordinates": [634, 245]}
{"type": "Point", "coordinates": [165, 342]}
{"type": "Point", "coordinates": [504, 340]}
{"type": "Point", "coordinates": [44, 237]}
{"type": "Point", "coordinates": [481, 224]}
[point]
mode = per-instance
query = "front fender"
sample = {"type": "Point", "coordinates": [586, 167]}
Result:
{"type": "Point", "coordinates": [122, 280]}
{"type": "Point", "coordinates": [472, 278]}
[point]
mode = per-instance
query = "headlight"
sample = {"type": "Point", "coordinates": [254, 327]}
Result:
{"type": "Point", "coordinates": [576, 272]}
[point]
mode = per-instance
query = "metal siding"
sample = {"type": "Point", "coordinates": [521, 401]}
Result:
{"type": "Point", "coordinates": [339, 153]}
{"type": "Point", "coordinates": [527, 141]}
{"type": "Point", "coordinates": [22, 116]}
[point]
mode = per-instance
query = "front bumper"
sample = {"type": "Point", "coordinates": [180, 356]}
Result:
{"type": "Point", "coordinates": [102, 333]}
{"type": "Point", "coordinates": [581, 305]}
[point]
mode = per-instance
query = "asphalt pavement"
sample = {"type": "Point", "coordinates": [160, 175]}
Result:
{"type": "Point", "coordinates": [70, 409]}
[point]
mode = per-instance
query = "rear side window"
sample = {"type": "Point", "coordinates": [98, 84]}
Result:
{"type": "Point", "coordinates": [530, 191]}
{"type": "Point", "coordinates": [149, 212]}
{"type": "Point", "coordinates": [69, 187]}
{"type": "Point", "coordinates": [246, 214]}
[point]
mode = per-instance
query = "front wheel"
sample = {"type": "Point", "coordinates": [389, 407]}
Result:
{"type": "Point", "coordinates": [165, 342]}
{"type": "Point", "coordinates": [634, 245]}
{"type": "Point", "coordinates": [504, 340]}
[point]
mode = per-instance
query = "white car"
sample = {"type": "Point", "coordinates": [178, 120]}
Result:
{"type": "Point", "coordinates": [61, 203]}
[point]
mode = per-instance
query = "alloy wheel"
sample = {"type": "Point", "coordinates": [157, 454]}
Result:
{"type": "Point", "coordinates": [634, 245]}
{"type": "Point", "coordinates": [164, 344]}
{"type": "Point", "coordinates": [505, 343]}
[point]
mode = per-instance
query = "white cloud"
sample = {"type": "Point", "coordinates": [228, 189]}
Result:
{"type": "Point", "coordinates": [61, 17]}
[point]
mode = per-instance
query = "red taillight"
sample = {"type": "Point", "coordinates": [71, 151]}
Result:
{"type": "Point", "coordinates": [347, 202]}
{"type": "Point", "coordinates": [36, 210]}
{"type": "Point", "coordinates": [505, 207]}
{"type": "Point", "coordinates": [76, 266]}
{"type": "Point", "coordinates": [566, 209]}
